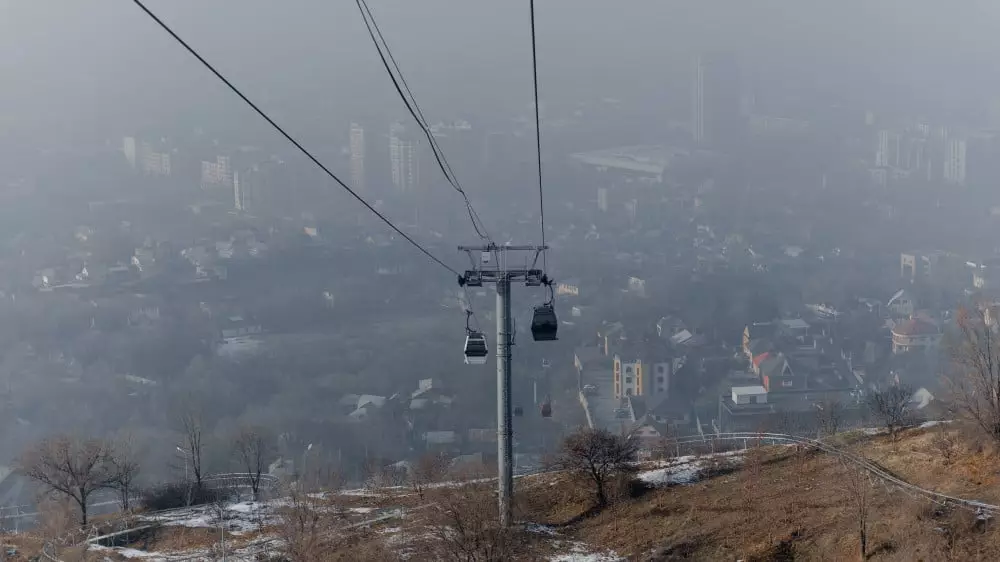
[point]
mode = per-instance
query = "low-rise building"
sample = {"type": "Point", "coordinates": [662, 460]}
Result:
{"type": "Point", "coordinates": [915, 334]}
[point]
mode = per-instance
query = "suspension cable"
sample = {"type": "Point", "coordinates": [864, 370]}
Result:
{"type": "Point", "coordinates": [410, 101]}
{"type": "Point", "coordinates": [291, 139]}
{"type": "Point", "coordinates": [538, 133]}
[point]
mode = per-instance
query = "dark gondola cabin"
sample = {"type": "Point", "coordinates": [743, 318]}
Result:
{"type": "Point", "coordinates": [547, 409]}
{"type": "Point", "coordinates": [475, 348]}
{"type": "Point", "coordinates": [544, 325]}
{"type": "Point", "coordinates": [518, 411]}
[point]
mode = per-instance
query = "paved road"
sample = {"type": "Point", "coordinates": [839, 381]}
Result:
{"type": "Point", "coordinates": [602, 403]}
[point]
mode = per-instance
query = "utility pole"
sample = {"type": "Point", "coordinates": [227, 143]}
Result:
{"type": "Point", "coordinates": [491, 268]}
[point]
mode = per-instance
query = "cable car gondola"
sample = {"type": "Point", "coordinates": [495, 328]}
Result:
{"type": "Point", "coordinates": [475, 344]}
{"type": "Point", "coordinates": [544, 324]}
{"type": "Point", "coordinates": [518, 411]}
{"type": "Point", "coordinates": [475, 348]}
{"type": "Point", "coordinates": [547, 408]}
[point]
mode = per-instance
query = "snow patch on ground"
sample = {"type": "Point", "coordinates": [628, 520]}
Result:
{"type": "Point", "coordinates": [932, 423]}
{"type": "Point", "coordinates": [580, 553]}
{"type": "Point", "coordinates": [237, 518]}
{"type": "Point", "coordinates": [540, 529]}
{"type": "Point", "coordinates": [683, 470]}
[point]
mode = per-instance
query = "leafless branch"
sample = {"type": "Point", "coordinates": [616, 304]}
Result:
{"type": "Point", "coordinates": [597, 455]}
{"type": "Point", "coordinates": [75, 468]}
{"type": "Point", "coordinates": [975, 377]}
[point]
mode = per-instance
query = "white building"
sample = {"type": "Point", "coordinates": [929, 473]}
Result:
{"type": "Point", "coordinates": [239, 197]}
{"type": "Point", "coordinates": [151, 162]}
{"type": "Point", "coordinates": [129, 149]}
{"type": "Point", "coordinates": [888, 152]}
{"type": "Point", "coordinates": [749, 395]}
{"type": "Point", "coordinates": [954, 164]}
{"type": "Point", "coordinates": [357, 156]}
{"type": "Point", "coordinates": [403, 158]}
{"type": "Point", "coordinates": [218, 173]}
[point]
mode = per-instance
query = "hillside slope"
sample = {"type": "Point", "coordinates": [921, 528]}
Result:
{"type": "Point", "coordinates": [765, 503]}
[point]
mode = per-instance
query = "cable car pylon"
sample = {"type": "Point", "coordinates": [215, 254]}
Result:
{"type": "Point", "coordinates": [491, 268]}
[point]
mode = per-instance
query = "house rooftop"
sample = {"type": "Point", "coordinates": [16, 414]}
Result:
{"type": "Point", "coordinates": [916, 327]}
{"type": "Point", "coordinates": [755, 389]}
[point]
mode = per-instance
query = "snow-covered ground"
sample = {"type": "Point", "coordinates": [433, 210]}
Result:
{"type": "Point", "coordinates": [237, 518]}
{"type": "Point", "coordinates": [572, 551]}
{"type": "Point", "coordinates": [686, 469]}
{"type": "Point", "coordinates": [578, 553]}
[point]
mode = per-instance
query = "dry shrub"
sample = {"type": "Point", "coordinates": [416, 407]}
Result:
{"type": "Point", "coordinates": [307, 530]}
{"type": "Point", "coordinates": [428, 469]}
{"type": "Point", "coordinates": [466, 527]}
{"type": "Point", "coordinates": [57, 517]}
{"type": "Point", "coordinates": [945, 444]}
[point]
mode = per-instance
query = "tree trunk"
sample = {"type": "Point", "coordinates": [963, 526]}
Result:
{"type": "Point", "coordinates": [864, 541]}
{"type": "Point", "coordinates": [83, 512]}
{"type": "Point", "coordinates": [602, 499]}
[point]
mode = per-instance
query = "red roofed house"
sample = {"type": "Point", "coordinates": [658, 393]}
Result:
{"type": "Point", "coordinates": [915, 334]}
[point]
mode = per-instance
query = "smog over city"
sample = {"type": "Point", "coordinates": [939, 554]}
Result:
{"type": "Point", "coordinates": [499, 280]}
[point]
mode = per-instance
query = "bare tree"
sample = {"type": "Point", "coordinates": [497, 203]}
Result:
{"type": "Point", "coordinates": [891, 406]}
{"type": "Point", "coordinates": [858, 487]}
{"type": "Point", "coordinates": [250, 448]}
{"type": "Point", "coordinates": [428, 469]}
{"type": "Point", "coordinates": [73, 467]}
{"type": "Point", "coordinates": [191, 427]}
{"type": "Point", "coordinates": [830, 416]}
{"type": "Point", "coordinates": [668, 448]}
{"type": "Point", "coordinates": [598, 455]}
{"type": "Point", "coordinates": [975, 376]}
{"type": "Point", "coordinates": [124, 469]}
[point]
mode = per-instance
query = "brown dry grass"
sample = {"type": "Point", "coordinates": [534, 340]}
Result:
{"type": "Point", "coordinates": [799, 511]}
{"type": "Point", "coordinates": [792, 505]}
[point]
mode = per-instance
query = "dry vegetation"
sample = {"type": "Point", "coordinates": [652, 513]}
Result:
{"type": "Point", "coordinates": [780, 504]}
{"type": "Point", "coordinates": [787, 505]}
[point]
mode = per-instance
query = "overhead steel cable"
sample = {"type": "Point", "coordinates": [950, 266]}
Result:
{"type": "Point", "coordinates": [290, 139]}
{"type": "Point", "coordinates": [410, 101]}
{"type": "Point", "coordinates": [538, 133]}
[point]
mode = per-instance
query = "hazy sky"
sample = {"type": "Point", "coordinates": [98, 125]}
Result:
{"type": "Point", "coordinates": [96, 61]}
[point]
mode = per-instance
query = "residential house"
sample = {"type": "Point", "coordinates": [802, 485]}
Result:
{"type": "Point", "coordinates": [441, 441]}
{"type": "Point", "coordinates": [611, 336]}
{"type": "Point", "coordinates": [901, 305]}
{"type": "Point", "coordinates": [794, 328]}
{"type": "Point", "coordinates": [643, 369]}
{"type": "Point", "coordinates": [669, 326]}
{"type": "Point", "coordinates": [237, 327]}
{"type": "Point", "coordinates": [637, 286]}
{"type": "Point", "coordinates": [916, 334]}
{"type": "Point", "coordinates": [568, 288]}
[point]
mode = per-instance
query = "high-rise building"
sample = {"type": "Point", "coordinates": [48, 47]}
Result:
{"type": "Point", "coordinates": [239, 198]}
{"type": "Point", "coordinates": [888, 153]}
{"type": "Point", "coordinates": [153, 162]}
{"type": "Point", "coordinates": [715, 118]}
{"type": "Point", "coordinates": [954, 163]}
{"type": "Point", "coordinates": [129, 149]}
{"type": "Point", "coordinates": [404, 159]}
{"type": "Point", "coordinates": [218, 173]}
{"type": "Point", "coordinates": [602, 199]}
{"type": "Point", "coordinates": [357, 157]}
